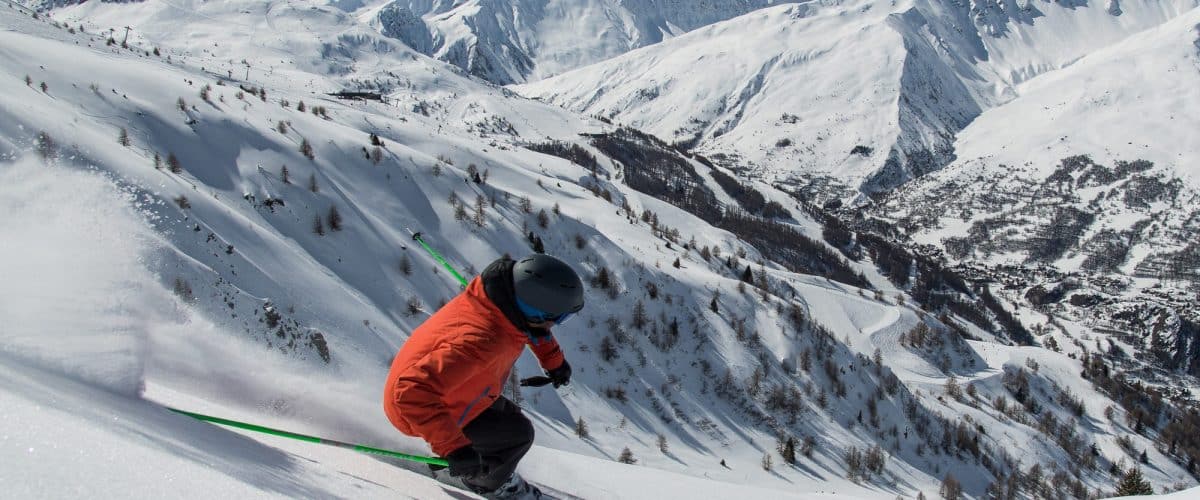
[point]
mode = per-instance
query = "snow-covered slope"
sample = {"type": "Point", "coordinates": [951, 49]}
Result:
{"type": "Point", "coordinates": [870, 93]}
{"type": "Point", "coordinates": [513, 41]}
{"type": "Point", "coordinates": [238, 243]}
{"type": "Point", "coordinates": [273, 321]}
{"type": "Point", "coordinates": [89, 329]}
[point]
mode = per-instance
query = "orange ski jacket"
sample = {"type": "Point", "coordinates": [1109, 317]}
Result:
{"type": "Point", "coordinates": [454, 366]}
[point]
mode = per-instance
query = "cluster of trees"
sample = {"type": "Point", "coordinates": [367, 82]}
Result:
{"type": "Point", "coordinates": [651, 167]}
{"type": "Point", "coordinates": [261, 92]}
{"type": "Point", "coordinates": [839, 236]}
{"type": "Point", "coordinates": [477, 214]}
{"type": "Point", "coordinates": [568, 151]}
{"type": "Point", "coordinates": [1008, 322]}
{"type": "Point", "coordinates": [787, 448]}
{"type": "Point", "coordinates": [750, 199]}
{"type": "Point", "coordinates": [320, 111]}
{"type": "Point", "coordinates": [1148, 410]}
{"type": "Point", "coordinates": [790, 248]}
{"type": "Point", "coordinates": [936, 345]}
{"type": "Point", "coordinates": [860, 465]}
{"type": "Point", "coordinates": [333, 219]}
{"type": "Point", "coordinates": [1173, 340]}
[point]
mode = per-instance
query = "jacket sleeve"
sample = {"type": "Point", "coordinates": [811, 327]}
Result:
{"type": "Point", "coordinates": [419, 392]}
{"type": "Point", "coordinates": [549, 355]}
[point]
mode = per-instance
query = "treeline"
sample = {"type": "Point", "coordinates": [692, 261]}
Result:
{"type": "Point", "coordinates": [653, 169]}
{"type": "Point", "coordinates": [790, 248]}
{"type": "Point", "coordinates": [749, 198]}
{"type": "Point", "coordinates": [1171, 338]}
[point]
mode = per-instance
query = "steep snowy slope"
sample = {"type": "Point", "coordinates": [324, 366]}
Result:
{"type": "Point", "coordinates": [76, 439]}
{"type": "Point", "coordinates": [711, 336]}
{"type": "Point", "coordinates": [240, 245]}
{"type": "Point", "coordinates": [870, 93]}
{"type": "Point", "coordinates": [88, 328]}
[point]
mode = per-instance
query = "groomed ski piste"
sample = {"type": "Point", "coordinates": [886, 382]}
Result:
{"type": "Point", "coordinates": [128, 288]}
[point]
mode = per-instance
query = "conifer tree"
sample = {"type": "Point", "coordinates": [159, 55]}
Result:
{"type": "Point", "coordinates": [335, 219]}
{"type": "Point", "coordinates": [318, 225]}
{"type": "Point", "coordinates": [639, 315]}
{"type": "Point", "coordinates": [608, 351]}
{"type": "Point", "coordinates": [173, 164]}
{"type": "Point", "coordinates": [480, 216]}
{"type": "Point", "coordinates": [1134, 484]}
{"type": "Point", "coordinates": [788, 450]}
{"type": "Point", "coordinates": [603, 280]}
{"type": "Point", "coordinates": [306, 149]}
{"type": "Point", "coordinates": [46, 147]}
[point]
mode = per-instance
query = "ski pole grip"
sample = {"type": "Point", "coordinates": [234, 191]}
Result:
{"type": "Point", "coordinates": [537, 381]}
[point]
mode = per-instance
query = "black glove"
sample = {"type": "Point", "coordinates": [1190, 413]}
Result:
{"type": "Point", "coordinates": [466, 463]}
{"type": "Point", "coordinates": [560, 376]}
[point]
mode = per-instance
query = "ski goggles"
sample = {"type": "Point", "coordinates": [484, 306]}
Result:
{"type": "Point", "coordinates": [536, 315]}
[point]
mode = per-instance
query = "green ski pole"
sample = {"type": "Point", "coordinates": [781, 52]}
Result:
{"type": "Point", "coordinates": [312, 439]}
{"type": "Point", "coordinates": [417, 238]}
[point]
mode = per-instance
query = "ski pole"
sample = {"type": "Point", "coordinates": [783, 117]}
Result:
{"type": "Point", "coordinates": [312, 439]}
{"type": "Point", "coordinates": [417, 238]}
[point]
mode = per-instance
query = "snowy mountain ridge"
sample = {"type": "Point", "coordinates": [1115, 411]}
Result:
{"type": "Point", "coordinates": [786, 100]}
{"type": "Point", "coordinates": [281, 278]}
{"type": "Point", "coordinates": [507, 41]}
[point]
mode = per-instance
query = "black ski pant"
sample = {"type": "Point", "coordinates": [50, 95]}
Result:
{"type": "Point", "coordinates": [501, 435]}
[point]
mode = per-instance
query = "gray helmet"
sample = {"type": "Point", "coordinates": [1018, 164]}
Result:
{"type": "Point", "coordinates": [548, 285]}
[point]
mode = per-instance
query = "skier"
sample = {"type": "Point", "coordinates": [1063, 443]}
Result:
{"type": "Point", "coordinates": [445, 383]}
